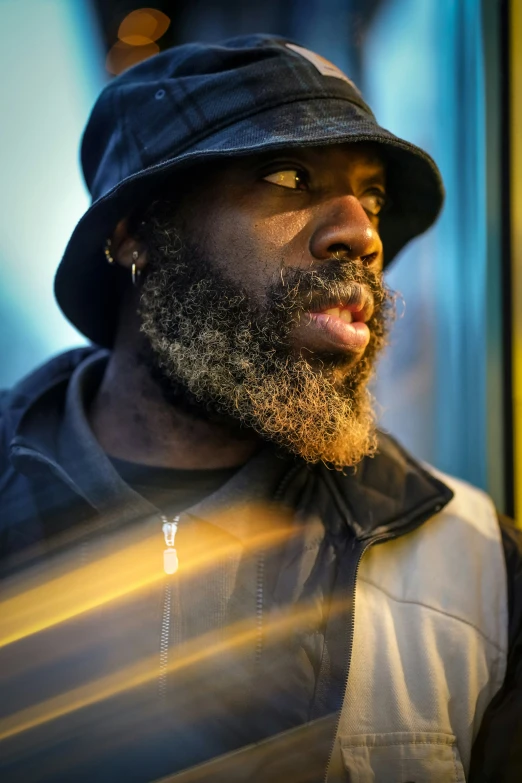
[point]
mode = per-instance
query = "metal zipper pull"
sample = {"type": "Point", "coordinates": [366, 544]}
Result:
{"type": "Point", "coordinates": [170, 556]}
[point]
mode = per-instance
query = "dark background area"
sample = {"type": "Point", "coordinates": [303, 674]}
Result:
{"type": "Point", "coordinates": [309, 21]}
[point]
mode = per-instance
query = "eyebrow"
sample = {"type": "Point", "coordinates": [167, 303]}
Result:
{"type": "Point", "coordinates": [377, 167]}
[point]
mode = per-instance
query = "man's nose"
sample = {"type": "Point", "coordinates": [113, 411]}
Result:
{"type": "Point", "coordinates": [344, 227]}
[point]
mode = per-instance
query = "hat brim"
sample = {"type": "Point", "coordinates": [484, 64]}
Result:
{"type": "Point", "coordinates": [88, 289]}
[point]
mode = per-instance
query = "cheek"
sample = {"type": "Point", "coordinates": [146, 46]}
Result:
{"type": "Point", "coordinates": [253, 249]}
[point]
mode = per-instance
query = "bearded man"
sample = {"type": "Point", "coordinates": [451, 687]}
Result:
{"type": "Point", "coordinates": [190, 505]}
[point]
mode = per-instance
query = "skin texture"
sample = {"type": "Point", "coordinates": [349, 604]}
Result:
{"type": "Point", "coordinates": [297, 210]}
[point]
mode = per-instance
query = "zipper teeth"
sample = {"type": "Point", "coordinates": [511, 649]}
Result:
{"type": "Point", "coordinates": [259, 604]}
{"type": "Point", "coordinates": [169, 530]}
{"type": "Point", "coordinates": [167, 600]}
{"type": "Point", "coordinates": [164, 639]}
{"type": "Point", "coordinates": [350, 648]}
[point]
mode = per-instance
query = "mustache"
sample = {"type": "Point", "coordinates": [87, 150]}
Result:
{"type": "Point", "coordinates": [354, 296]}
{"type": "Point", "coordinates": [338, 282]}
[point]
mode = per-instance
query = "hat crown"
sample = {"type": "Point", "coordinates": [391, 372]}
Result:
{"type": "Point", "coordinates": [163, 106]}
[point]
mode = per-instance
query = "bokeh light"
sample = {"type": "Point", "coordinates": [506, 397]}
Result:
{"type": "Point", "coordinates": [137, 36]}
{"type": "Point", "coordinates": [143, 26]}
{"type": "Point", "coordinates": [122, 56]}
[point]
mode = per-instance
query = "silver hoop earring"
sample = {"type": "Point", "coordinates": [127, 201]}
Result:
{"type": "Point", "coordinates": [136, 274]}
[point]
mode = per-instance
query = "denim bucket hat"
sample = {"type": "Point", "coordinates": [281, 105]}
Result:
{"type": "Point", "coordinates": [201, 102]}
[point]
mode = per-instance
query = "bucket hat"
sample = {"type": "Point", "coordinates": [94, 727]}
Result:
{"type": "Point", "coordinates": [200, 102]}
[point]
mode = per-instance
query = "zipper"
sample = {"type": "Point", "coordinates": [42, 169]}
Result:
{"type": "Point", "coordinates": [170, 556]}
{"type": "Point", "coordinates": [259, 604]}
{"type": "Point", "coordinates": [351, 630]}
{"type": "Point", "coordinates": [170, 566]}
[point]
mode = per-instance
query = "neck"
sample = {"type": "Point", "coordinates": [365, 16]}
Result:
{"type": "Point", "coordinates": [132, 421]}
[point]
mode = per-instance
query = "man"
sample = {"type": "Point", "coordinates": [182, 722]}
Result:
{"type": "Point", "coordinates": [215, 567]}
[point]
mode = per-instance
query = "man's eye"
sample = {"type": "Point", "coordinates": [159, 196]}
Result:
{"type": "Point", "coordinates": [288, 178]}
{"type": "Point", "coordinates": [373, 202]}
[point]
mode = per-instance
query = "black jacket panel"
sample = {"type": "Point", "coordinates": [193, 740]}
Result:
{"type": "Point", "coordinates": [497, 752]}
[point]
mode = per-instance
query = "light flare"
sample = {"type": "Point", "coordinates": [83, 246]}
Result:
{"type": "Point", "coordinates": [191, 653]}
{"type": "Point", "coordinates": [41, 602]}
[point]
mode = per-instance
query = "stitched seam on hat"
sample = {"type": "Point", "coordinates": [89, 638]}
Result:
{"type": "Point", "coordinates": [182, 116]}
{"type": "Point", "coordinates": [169, 162]}
{"type": "Point", "coordinates": [193, 104]}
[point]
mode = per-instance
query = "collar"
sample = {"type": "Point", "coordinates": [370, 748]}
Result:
{"type": "Point", "coordinates": [385, 495]}
{"type": "Point", "coordinates": [54, 432]}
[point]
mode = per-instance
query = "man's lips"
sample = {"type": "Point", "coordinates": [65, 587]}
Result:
{"type": "Point", "coordinates": [340, 326]}
{"type": "Point", "coordinates": [327, 332]}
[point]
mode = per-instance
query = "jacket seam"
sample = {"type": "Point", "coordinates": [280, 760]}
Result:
{"type": "Point", "coordinates": [452, 742]}
{"type": "Point", "coordinates": [481, 633]}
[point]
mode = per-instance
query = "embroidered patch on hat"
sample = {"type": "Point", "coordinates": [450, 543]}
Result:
{"type": "Point", "coordinates": [323, 65]}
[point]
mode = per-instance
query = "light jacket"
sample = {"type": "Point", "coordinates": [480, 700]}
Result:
{"type": "Point", "coordinates": [378, 614]}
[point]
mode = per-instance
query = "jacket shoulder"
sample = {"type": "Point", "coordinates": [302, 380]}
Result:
{"type": "Point", "coordinates": [20, 522]}
{"type": "Point", "coordinates": [15, 401]}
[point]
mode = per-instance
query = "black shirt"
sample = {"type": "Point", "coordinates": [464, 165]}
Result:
{"type": "Point", "coordinates": [172, 490]}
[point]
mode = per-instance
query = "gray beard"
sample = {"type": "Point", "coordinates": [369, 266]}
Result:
{"type": "Point", "coordinates": [215, 353]}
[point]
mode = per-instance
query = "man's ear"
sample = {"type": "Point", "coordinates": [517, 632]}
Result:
{"type": "Point", "coordinates": [126, 249]}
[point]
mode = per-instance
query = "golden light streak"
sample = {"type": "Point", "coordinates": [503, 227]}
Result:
{"type": "Point", "coordinates": [130, 569]}
{"type": "Point", "coordinates": [196, 651]}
